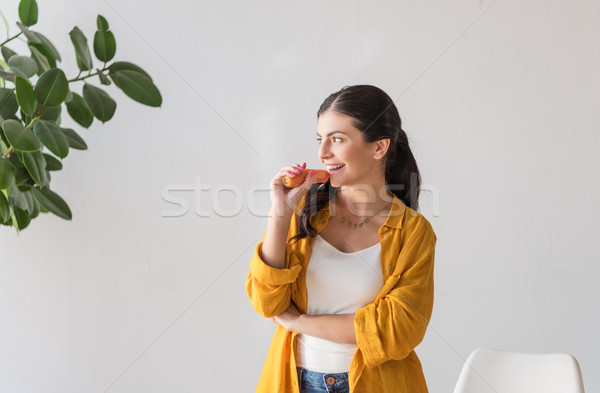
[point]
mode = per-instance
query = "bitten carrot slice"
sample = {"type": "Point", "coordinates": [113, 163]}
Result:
{"type": "Point", "coordinates": [319, 176]}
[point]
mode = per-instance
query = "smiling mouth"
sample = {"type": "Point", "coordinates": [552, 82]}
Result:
{"type": "Point", "coordinates": [336, 169]}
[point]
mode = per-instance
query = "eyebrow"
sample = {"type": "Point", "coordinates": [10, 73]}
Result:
{"type": "Point", "coordinates": [334, 132]}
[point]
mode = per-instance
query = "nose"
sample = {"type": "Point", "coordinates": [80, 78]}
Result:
{"type": "Point", "coordinates": [324, 152]}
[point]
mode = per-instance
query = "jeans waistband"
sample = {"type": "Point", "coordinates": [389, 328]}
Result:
{"type": "Point", "coordinates": [326, 381]}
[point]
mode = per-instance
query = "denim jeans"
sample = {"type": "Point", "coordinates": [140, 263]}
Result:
{"type": "Point", "coordinates": [314, 382]}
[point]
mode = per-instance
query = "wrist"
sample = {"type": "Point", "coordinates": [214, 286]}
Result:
{"type": "Point", "coordinates": [281, 211]}
{"type": "Point", "coordinates": [300, 323]}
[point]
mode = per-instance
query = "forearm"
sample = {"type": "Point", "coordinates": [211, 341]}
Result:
{"type": "Point", "coordinates": [333, 327]}
{"type": "Point", "coordinates": [273, 248]}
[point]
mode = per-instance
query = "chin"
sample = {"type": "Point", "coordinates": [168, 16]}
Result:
{"type": "Point", "coordinates": [334, 183]}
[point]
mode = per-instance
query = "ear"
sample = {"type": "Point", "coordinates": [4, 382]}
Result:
{"type": "Point", "coordinates": [381, 147]}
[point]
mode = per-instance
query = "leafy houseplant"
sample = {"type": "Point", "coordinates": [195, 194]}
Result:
{"type": "Point", "coordinates": [30, 112]}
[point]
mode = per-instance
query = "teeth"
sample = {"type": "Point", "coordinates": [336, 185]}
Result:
{"type": "Point", "coordinates": [331, 167]}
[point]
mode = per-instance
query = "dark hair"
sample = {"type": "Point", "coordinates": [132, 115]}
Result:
{"type": "Point", "coordinates": [373, 113]}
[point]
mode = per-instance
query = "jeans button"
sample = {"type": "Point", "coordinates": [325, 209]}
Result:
{"type": "Point", "coordinates": [330, 380]}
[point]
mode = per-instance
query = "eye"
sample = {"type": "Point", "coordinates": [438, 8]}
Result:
{"type": "Point", "coordinates": [335, 137]}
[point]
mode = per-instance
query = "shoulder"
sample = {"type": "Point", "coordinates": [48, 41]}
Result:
{"type": "Point", "coordinates": [415, 222]}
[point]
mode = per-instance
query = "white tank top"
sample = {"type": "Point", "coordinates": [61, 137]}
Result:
{"type": "Point", "coordinates": [337, 283]}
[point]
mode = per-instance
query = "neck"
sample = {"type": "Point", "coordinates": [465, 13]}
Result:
{"type": "Point", "coordinates": [364, 200]}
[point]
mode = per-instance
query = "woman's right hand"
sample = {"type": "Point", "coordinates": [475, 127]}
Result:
{"type": "Point", "coordinates": [288, 198]}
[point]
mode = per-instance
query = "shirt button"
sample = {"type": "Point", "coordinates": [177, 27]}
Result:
{"type": "Point", "coordinates": [389, 267]}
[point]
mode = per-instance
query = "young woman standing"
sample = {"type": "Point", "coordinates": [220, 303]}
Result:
{"type": "Point", "coordinates": [345, 267]}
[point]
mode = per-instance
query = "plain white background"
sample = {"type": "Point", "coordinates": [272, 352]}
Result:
{"type": "Point", "coordinates": [139, 294]}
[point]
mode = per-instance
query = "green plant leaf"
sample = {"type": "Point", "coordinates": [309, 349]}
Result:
{"type": "Point", "coordinates": [51, 135]}
{"type": "Point", "coordinates": [47, 48]}
{"type": "Point", "coordinates": [52, 163]}
{"type": "Point", "coordinates": [22, 217]}
{"type": "Point", "coordinates": [30, 201]}
{"type": "Point", "coordinates": [25, 64]}
{"type": "Point", "coordinates": [100, 103]}
{"type": "Point", "coordinates": [30, 34]}
{"type": "Point", "coordinates": [52, 202]}
{"type": "Point", "coordinates": [7, 53]}
{"type": "Point", "coordinates": [25, 96]}
{"type": "Point", "coordinates": [33, 206]}
{"type": "Point", "coordinates": [52, 87]}
{"type": "Point", "coordinates": [42, 61]}
{"type": "Point", "coordinates": [79, 111]}
{"type": "Point", "coordinates": [75, 141]}
{"type": "Point", "coordinates": [103, 78]}
{"type": "Point", "coordinates": [28, 12]}
{"type": "Point", "coordinates": [36, 209]}
{"type": "Point", "coordinates": [8, 103]}
{"type": "Point", "coordinates": [82, 52]}
{"type": "Point", "coordinates": [15, 161]}
{"type": "Point", "coordinates": [22, 178]}
{"type": "Point", "coordinates": [11, 74]}
{"type": "Point", "coordinates": [7, 174]}
{"type": "Point", "coordinates": [4, 208]}
{"type": "Point", "coordinates": [101, 23]}
{"type": "Point", "coordinates": [17, 199]}
{"type": "Point", "coordinates": [49, 112]}
{"type": "Point", "coordinates": [35, 163]}
{"type": "Point", "coordinates": [105, 45]}
{"type": "Point", "coordinates": [126, 66]}
{"type": "Point", "coordinates": [20, 137]}
{"type": "Point", "coordinates": [3, 145]}
{"type": "Point", "coordinates": [137, 86]}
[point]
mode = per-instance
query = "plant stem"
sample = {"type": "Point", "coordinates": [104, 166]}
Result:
{"type": "Point", "coordinates": [7, 152]}
{"type": "Point", "coordinates": [11, 38]}
{"type": "Point", "coordinates": [32, 122]}
{"type": "Point", "coordinates": [87, 76]}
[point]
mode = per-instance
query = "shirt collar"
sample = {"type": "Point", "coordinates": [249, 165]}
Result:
{"type": "Point", "coordinates": [394, 219]}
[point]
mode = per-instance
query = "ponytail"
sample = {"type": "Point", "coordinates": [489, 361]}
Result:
{"type": "Point", "coordinates": [402, 173]}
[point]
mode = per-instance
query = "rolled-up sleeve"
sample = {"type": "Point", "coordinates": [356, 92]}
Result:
{"type": "Point", "coordinates": [269, 288]}
{"type": "Point", "coordinates": [391, 327]}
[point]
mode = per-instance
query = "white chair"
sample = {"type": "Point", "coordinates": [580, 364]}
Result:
{"type": "Point", "coordinates": [490, 370]}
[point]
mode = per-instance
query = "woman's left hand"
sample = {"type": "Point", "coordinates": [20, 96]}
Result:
{"type": "Point", "coordinates": [289, 318]}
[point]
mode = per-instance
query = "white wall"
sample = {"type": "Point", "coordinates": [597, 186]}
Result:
{"type": "Point", "coordinates": [500, 101]}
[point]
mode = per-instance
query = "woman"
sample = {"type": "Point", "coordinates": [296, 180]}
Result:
{"type": "Point", "coordinates": [345, 267]}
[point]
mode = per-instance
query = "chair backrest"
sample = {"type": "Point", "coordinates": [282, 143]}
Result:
{"type": "Point", "coordinates": [490, 370]}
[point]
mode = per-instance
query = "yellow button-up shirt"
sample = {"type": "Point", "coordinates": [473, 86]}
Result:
{"type": "Point", "coordinates": [387, 330]}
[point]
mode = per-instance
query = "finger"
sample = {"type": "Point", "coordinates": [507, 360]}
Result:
{"type": "Point", "coordinates": [308, 180]}
{"type": "Point", "coordinates": [292, 167]}
{"type": "Point", "coordinates": [296, 170]}
{"type": "Point", "coordinates": [289, 171]}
